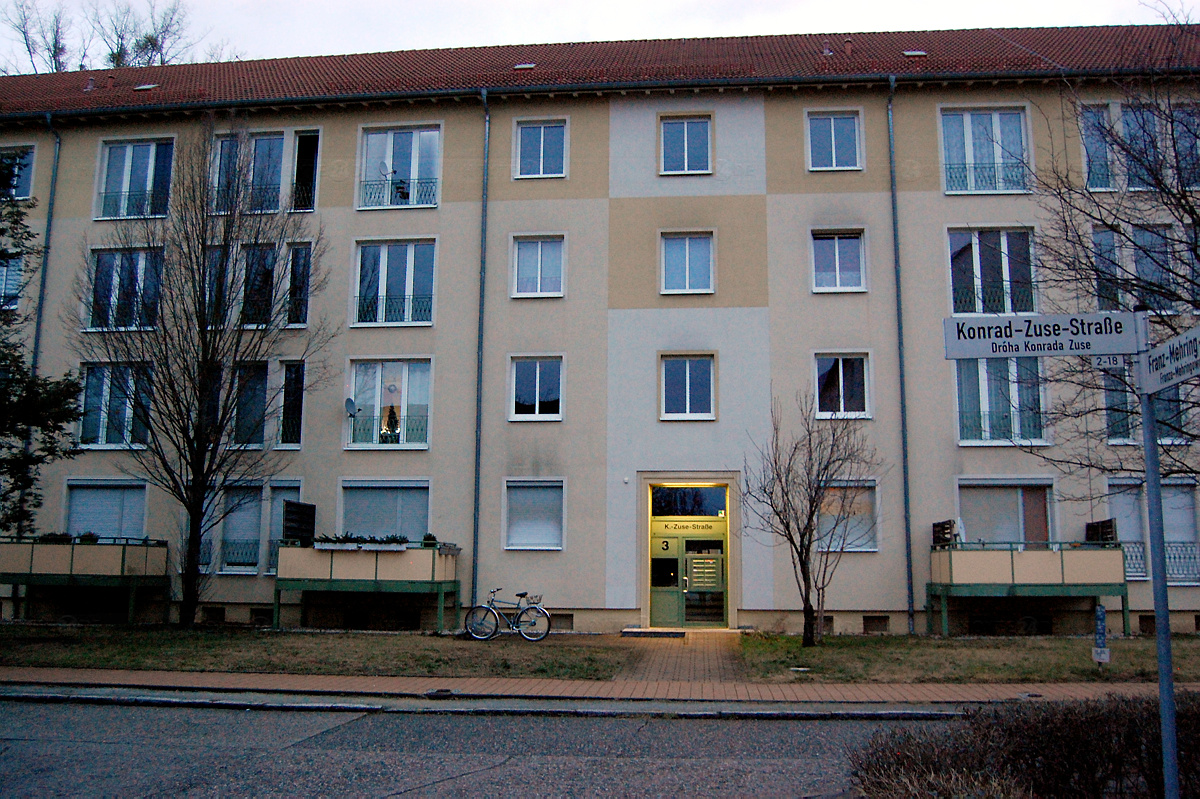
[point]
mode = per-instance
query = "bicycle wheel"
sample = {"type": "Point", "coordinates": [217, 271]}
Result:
{"type": "Point", "coordinates": [533, 623]}
{"type": "Point", "coordinates": [481, 622]}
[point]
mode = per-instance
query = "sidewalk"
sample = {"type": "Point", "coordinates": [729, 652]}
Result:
{"type": "Point", "coordinates": [533, 688]}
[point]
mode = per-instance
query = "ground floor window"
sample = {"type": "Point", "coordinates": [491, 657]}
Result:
{"type": "Point", "coordinates": [534, 514]}
{"type": "Point", "coordinates": [1005, 514]}
{"type": "Point", "coordinates": [380, 511]}
{"type": "Point", "coordinates": [107, 511]}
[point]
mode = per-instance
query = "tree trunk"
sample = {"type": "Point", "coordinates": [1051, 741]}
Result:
{"type": "Point", "coordinates": [190, 576]}
{"type": "Point", "coordinates": [810, 624]}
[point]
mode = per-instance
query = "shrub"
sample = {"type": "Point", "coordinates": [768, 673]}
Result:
{"type": "Point", "coordinates": [1097, 748]}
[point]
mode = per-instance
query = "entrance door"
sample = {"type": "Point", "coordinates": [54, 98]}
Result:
{"type": "Point", "coordinates": [688, 556]}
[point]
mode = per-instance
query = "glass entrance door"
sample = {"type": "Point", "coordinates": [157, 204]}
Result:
{"type": "Point", "coordinates": [688, 556]}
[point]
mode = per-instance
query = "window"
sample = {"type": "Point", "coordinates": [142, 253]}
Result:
{"type": "Point", "coordinates": [109, 511]}
{"type": "Point", "coordinates": [1143, 157]}
{"type": "Point", "coordinates": [11, 278]}
{"type": "Point", "coordinates": [842, 386]}
{"type": "Point", "coordinates": [539, 267]}
{"type": "Point", "coordinates": [991, 271]}
{"type": "Point", "coordinates": [999, 400]}
{"type": "Point", "coordinates": [251, 404]}
{"type": "Point", "coordinates": [1122, 412]}
{"type": "Point", "coordinates": [258, 190]}
{"type": "Point", "coordinates": [379, 511]}
{"type": "Point", "coordinates": [1185, 126]}
{"type": "Point", "coordinates": [21, 176]}
{"type": "Point", "coordinates": [137, 179]}
{"type": "Point", "coordinates": [1156, 286]}
{"type": "Point", "coordinates": [687, 260]}
{"type": "Point", "coordinates": [279, 495]}
{"type": "Point", "coordinates": [1005, 514]}
{"type": "Point", "coordinates": [392, 399]}
{"type": "Point", "coordinates": [534, 514]}
{"type": "Point", "coordinates": [537, 390]}
{"type": "Point", "coordinates": [541, 149]}
{"type": "Point", "coordinates": [304, 185]}
{"type": "Point", "coordinates": [125, 287]}
{"type": "Point", "coordinates": [688, 390]}
{"type": "Point", "coordinates": [400, 168]}
{"type": "Point", "coordinates": [984, 150]}
{"type": "Point", "coordinates": [301, 267]}
{"type": "Point", "coordinates": [833, 140]}
{"type": "Point", "coordinates": [686, 146]}
{"type": "Point", "coordinates": [846, 521]}
{"type": "Point", "coordinates": [216, 277]}
{"type": "Point", "coordinates": [837, 261]}
{"type": "Point", "coordinates": [1107, 269]}
{"type": "Point", "coordinates": [1097, 135]}
{"type": "Point", "coordinates": [259, 288]}
{"type": "Point", "coordinates": [395, 283]}
{"type": "Point", "coordinates": [1119, 413]}
{"type": "Point", "coordinates": [116, 405]}
{"type": "Point", "coordinates": [292, 419]}
{"type": "Point", "coordinates": [241, 529]}
{"type": "Point", "coordinates": [1125, 504]}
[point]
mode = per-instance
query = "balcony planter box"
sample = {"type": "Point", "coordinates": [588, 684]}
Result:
{"type": "Point", "coordinates": [360, 546]}
{"type": "Point", "coordinates": [449, 549]}
{"type": "Point", "coordinates": [336, 562]}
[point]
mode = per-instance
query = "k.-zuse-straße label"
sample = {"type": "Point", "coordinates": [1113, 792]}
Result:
{"type": "Point", "coordinates": [1011, 336]}
{"type": "Point", "coordinates": [1169, 363]}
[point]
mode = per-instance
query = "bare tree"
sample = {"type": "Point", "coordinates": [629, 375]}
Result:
{"type": "Point", "coordinates": [811, 490]}
{"type": "Point", "coordinates": [1119, 233]}
{"type": "Point", "coordinates": [54, 41]}
{"type": "Point", "coordinates": [187, 307]}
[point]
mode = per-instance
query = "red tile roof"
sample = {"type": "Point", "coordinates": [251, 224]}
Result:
{"type": "Point", "coordinates": [984, 53]}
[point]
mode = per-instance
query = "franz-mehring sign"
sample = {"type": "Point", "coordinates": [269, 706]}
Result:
{"type": "Point", "coordinates": [1039, 336]}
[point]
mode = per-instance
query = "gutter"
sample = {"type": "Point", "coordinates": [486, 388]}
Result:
{"type": "Point", "coordinates": [483, 229]}
{"type": "Point", "coordinates": [908, 554]}
{"type": "Point", "coordinates": [41, 301]}
{"type": "Point", "coordinates": [610, 86]}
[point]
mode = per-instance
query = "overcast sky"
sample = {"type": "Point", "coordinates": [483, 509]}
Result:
{"type": "Point", "coordinates": [281, 28]}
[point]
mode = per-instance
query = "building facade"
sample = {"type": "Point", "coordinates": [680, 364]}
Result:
{"type": "Point", "coordinates": [675, 235]}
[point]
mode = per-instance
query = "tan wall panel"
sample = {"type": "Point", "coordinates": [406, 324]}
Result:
{"type": "Point", "coordinates": [739, 225]}
{"type": "Point", "coordinates": [587, 148]}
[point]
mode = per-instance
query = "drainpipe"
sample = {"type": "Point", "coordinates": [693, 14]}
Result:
{"type": "Point", "coordinates": [41, 301]}
{"type": "Point", "coordinates": [908, 556]}
{"type": "Point", "coordinates": [487, 129]}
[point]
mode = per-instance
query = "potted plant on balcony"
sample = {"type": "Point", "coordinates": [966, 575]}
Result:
{"type": "Point", "coordinates": [354, 541]}
{"type": "Point", "coordinates": [87, 538]}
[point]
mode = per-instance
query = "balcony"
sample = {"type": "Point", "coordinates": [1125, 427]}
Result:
{"type": "Point", "coordinates": [398, 193]}
{"type": "Point", "coordinates": [414, 569]}
{"type": "Point", "coordinates": [1183, 562]}
{"type": "Point", "coordinates": [1033, 569]}
{"type": "Point", "coordinates": [128, 563]}
{"type": "Point", "coordinates": [965, 178]}
{"type": "Point", "coordinates": [394, 308]}
{"type": "Point", "coordinates": [410, 431]}
{"type": "Point", "coordinates": [126, 204]}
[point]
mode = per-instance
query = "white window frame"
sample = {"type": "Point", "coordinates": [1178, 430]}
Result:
{"type": "Point", "coordinates": [1015, 409]}
{"type": "Point", "coordinates": [841, 356]}
{"type": "Point", "coordinates": [665, 119]}
{"type": "Point", "coordinates": [414, 163]}
{"type": "Point", "coordinates": [291, 250]}
{"type": "Point", "coordinates": [871, 483]}
{"type": "Point", "coordinates": [265, 403]}
{"type": "Point", "coordinates": [534, 482]}
{"type": "Point", "coordinates": [102, 482]}
{"type": "Point", "coordinates": [115, 290]}
{"type": "Point", "coordinates": [1016, 483]}
{"type": "Point", "coordinates": [249, 139]}
{"type": "Point", "coordinates": [1084, 108]}
{"type": "Point", "coordinates": [374, 444]}
{"type": "Point", "coordinates": [126, 441]}
{"type": "Point", "coordinates": [375, 482]}
{"type": "Point", "coordinates": [280, 483]}
{"type": "Point", "coordinates": [282, 366]}
{"type": "Point", "coordinates": [12, 280]}
{"type": "Point", "coordinates": [1115, 484]}
{"type": "Point", "coordinates": [539, 359]}
{"type": "Point", "coordinates": [540, 238]}
{"type": "Point", "coordinates": [838, 234]}
{"type": "Point", "coordinates": [1005, 265]}
{"type": "Point", "coordinates": [1025, 162]}
{"type": "Point", "coordinates": [687, 235]}
{"type": "Point", "coordinates": [409, 281]}
{"type": "Point", "coordinates": [264, 506]}
{"type": "Point", "coordinates": [30, 159]}
{"type": "Point", "coordinates": [520, 124]}
{"type": "Point", "coordinates": [832, 113]}
{"type": "Point", "coordinates": [687, 416]}
{"type": "Point", "coordinates": [102, 175]}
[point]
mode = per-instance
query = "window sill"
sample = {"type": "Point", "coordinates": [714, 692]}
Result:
{"type": "Point", "coordinates": [296, 326]}
{"type": "Point", "coordinates": [1040, 442]}
{"type": "Point", "coordinates": [557, 417]}
{"type": "Point", "coordinates": [851, 415]}
{"type": "Point", "coordinates": [688, 417]}
{"type": "Point", "coordinates": [538, 296]}
{"type": "Point", "coordinates": [118, 329]}
{"type": "Point", "coordinates": [288, 447]}
{"type": "Point", "coordinates": [369, 325]}
{"type": "Point", "coordinates": [112, 446]}
{"type": "Point", "coordinates": [839, 290]}
{"type": "Point", "coordinates": [1001, 192]}
{"type": "Point", "coordinates": [560, 176]}
{"type": "Point", "coordinates": [119, 218]}
{"type": "Point", "coordinates": [394, 207]}
{"type": "Point", "coordinates": [835, 169]}
{"type": "Point", "coordinates": [693, 172]}
{"type": "Point", "coordinates": [686, 291]}
{"type": "Point", "coordinates": [851, 550]}
{"type": "Point", "coordinates": [508, 548]}
{"type": "Point", "coordinates": [238, 571]}
{"type": "Point", "coordinates": [245, 447]}
{"type": "Point", "coordinates": [384, 447]}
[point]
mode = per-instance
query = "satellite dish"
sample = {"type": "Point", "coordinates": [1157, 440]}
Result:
{"type": "Point", "coordinates": [351, 407]}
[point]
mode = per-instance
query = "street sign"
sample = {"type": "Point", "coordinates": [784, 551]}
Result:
{"type": "Point", "coordinates": [1169, 363]}
{"type": "Point", "coordinates": [1012, 336]}
{"type": "Point", "coordinates": [1101, 655]}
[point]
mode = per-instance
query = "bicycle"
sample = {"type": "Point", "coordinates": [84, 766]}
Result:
{"type": "Point", "coordinates": [527, 617]}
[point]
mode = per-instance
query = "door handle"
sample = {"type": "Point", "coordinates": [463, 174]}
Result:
{"type": "Point", "coordinates": [685, 583]}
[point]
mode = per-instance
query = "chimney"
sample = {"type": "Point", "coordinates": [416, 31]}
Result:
{"type": "Point", "coordinates": [848, 47]}
{"type": "Point", "coordinates": [91, 85]}
{"type": "Point", "coordinates": [826, 48]}
{"type": "Point", "coordinates": [111, 80]}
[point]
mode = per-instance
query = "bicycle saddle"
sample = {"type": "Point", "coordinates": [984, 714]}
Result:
{"type": "Point", "coordinates": [523, 594]}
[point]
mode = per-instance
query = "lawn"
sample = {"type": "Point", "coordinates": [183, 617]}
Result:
{"type": "Point", "coordinates": [961, 660]}
{"type": "Point", "coordinates": [561, 657]}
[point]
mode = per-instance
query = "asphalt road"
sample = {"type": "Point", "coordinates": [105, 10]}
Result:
{"type": "Point", "coordinates": [67, 749]}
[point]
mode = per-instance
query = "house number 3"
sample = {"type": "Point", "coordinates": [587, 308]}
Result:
{"type": "Point", "coordinates": [666, 545]}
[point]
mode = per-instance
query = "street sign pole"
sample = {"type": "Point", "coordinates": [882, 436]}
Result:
{"type": "Point", "coordinates": [1158, 572]}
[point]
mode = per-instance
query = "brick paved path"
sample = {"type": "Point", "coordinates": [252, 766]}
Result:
{"type": "Point", "coordinates": [708, 656]}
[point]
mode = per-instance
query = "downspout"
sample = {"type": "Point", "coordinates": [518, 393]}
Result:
{"type": "Point", "coordinates": [41, 301]}
{"type": "Point", "coordinates": [908, 555]}
{"type": "Point", "coordinates": [487, 129]}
